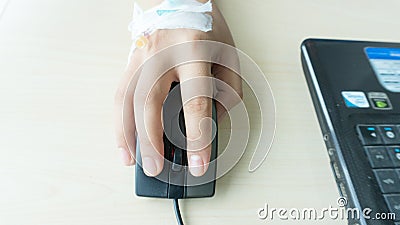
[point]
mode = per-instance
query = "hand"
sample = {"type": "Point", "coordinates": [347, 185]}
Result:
{"type": "Point", "coordinates": [151, 138]}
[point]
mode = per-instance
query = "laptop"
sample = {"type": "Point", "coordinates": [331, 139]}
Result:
{"type": "Point", "coordinates": [355, 88]}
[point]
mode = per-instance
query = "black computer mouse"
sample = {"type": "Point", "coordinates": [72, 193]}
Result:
{"type": "Point", "coordinates": [175, 180]}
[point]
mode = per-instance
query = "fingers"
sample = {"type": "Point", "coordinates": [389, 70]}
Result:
{"type": "Point", "coordinates": [125, 128]}
{"type": "Point", "coordinates": [122, 143]}
{"type": "Point", "coordinates": [148, 113]}
{"type": "Point", "coordinates": [197, 108]}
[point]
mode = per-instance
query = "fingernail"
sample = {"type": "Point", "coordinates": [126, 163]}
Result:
{"type": "Point", "coordinates": [196, 166]}
{"type": "Point", "coordinates": [125, 157]}
{"type": "Point", "coordinates": [149, 166]}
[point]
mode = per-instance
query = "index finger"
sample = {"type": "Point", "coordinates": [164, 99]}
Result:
{"type": "Point", "coordinates": [197, 107]}
{"type": "Point", "coordinates": [148, 113]}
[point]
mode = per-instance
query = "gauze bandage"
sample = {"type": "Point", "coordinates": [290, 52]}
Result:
{"type": "Point", "coordinates": [170, 14]}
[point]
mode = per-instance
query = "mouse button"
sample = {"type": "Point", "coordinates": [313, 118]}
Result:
{"type": "Point", "coordinates": [176, 134]}
{"type": "Point", "coordinates": [168, 149]}
{"type": "Point", "coordinates": [177, 160]}
{"type": "Point", "coordinates": [171, 108]}
{"type": "Point", "coordinates": [177, 177]}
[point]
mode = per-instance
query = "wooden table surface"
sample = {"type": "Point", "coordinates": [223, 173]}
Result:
{"type": "Point", "coordinates": [60, 62]}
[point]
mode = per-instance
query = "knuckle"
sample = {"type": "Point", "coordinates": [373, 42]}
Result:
{"type": "Point", "coordinates": [197, 105]}
{"type": "Point", "coordinates": [195, 35]}
{"type": "Point", "coordinates": [153, 45]}
{"type": "Point", "coordinates": [145, 142]}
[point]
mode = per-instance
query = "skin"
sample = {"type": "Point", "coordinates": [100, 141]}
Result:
{"type": "Point", "coordinates": [196, 109]}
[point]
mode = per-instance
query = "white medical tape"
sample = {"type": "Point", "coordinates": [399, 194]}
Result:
{"type": "Point", "coordinates": [170, 14]}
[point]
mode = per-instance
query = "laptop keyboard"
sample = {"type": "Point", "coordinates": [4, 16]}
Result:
{"type": "Point", "coordinates": [382, 147]}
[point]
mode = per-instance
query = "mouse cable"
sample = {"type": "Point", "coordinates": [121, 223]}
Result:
{"type": "Point", "coordinates": [178, 212]}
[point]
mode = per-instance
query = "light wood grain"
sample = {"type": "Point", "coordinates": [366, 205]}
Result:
{"type": "Point", "coordinates": [60, 62]}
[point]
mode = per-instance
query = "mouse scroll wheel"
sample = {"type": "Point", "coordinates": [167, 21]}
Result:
{"type": "Point", "coordinates": [177, 160]}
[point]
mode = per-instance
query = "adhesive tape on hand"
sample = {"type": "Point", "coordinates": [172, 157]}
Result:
{"type": "Point", "coordinates": [170, 14]}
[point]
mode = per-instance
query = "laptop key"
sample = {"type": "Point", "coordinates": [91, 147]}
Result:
{"type": "Point", "coordinates": [390, 134]}
{"type": "Point", "coordinates": [378, 157]}
{"type": "Point", "coordinates": [393, 203]}
{"type": "Point", "coordinates": [388, 180]}
{"type": "Point", "coordinates": [394, 153]}
{"type": "Point", "coordinates": [369, 135]}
